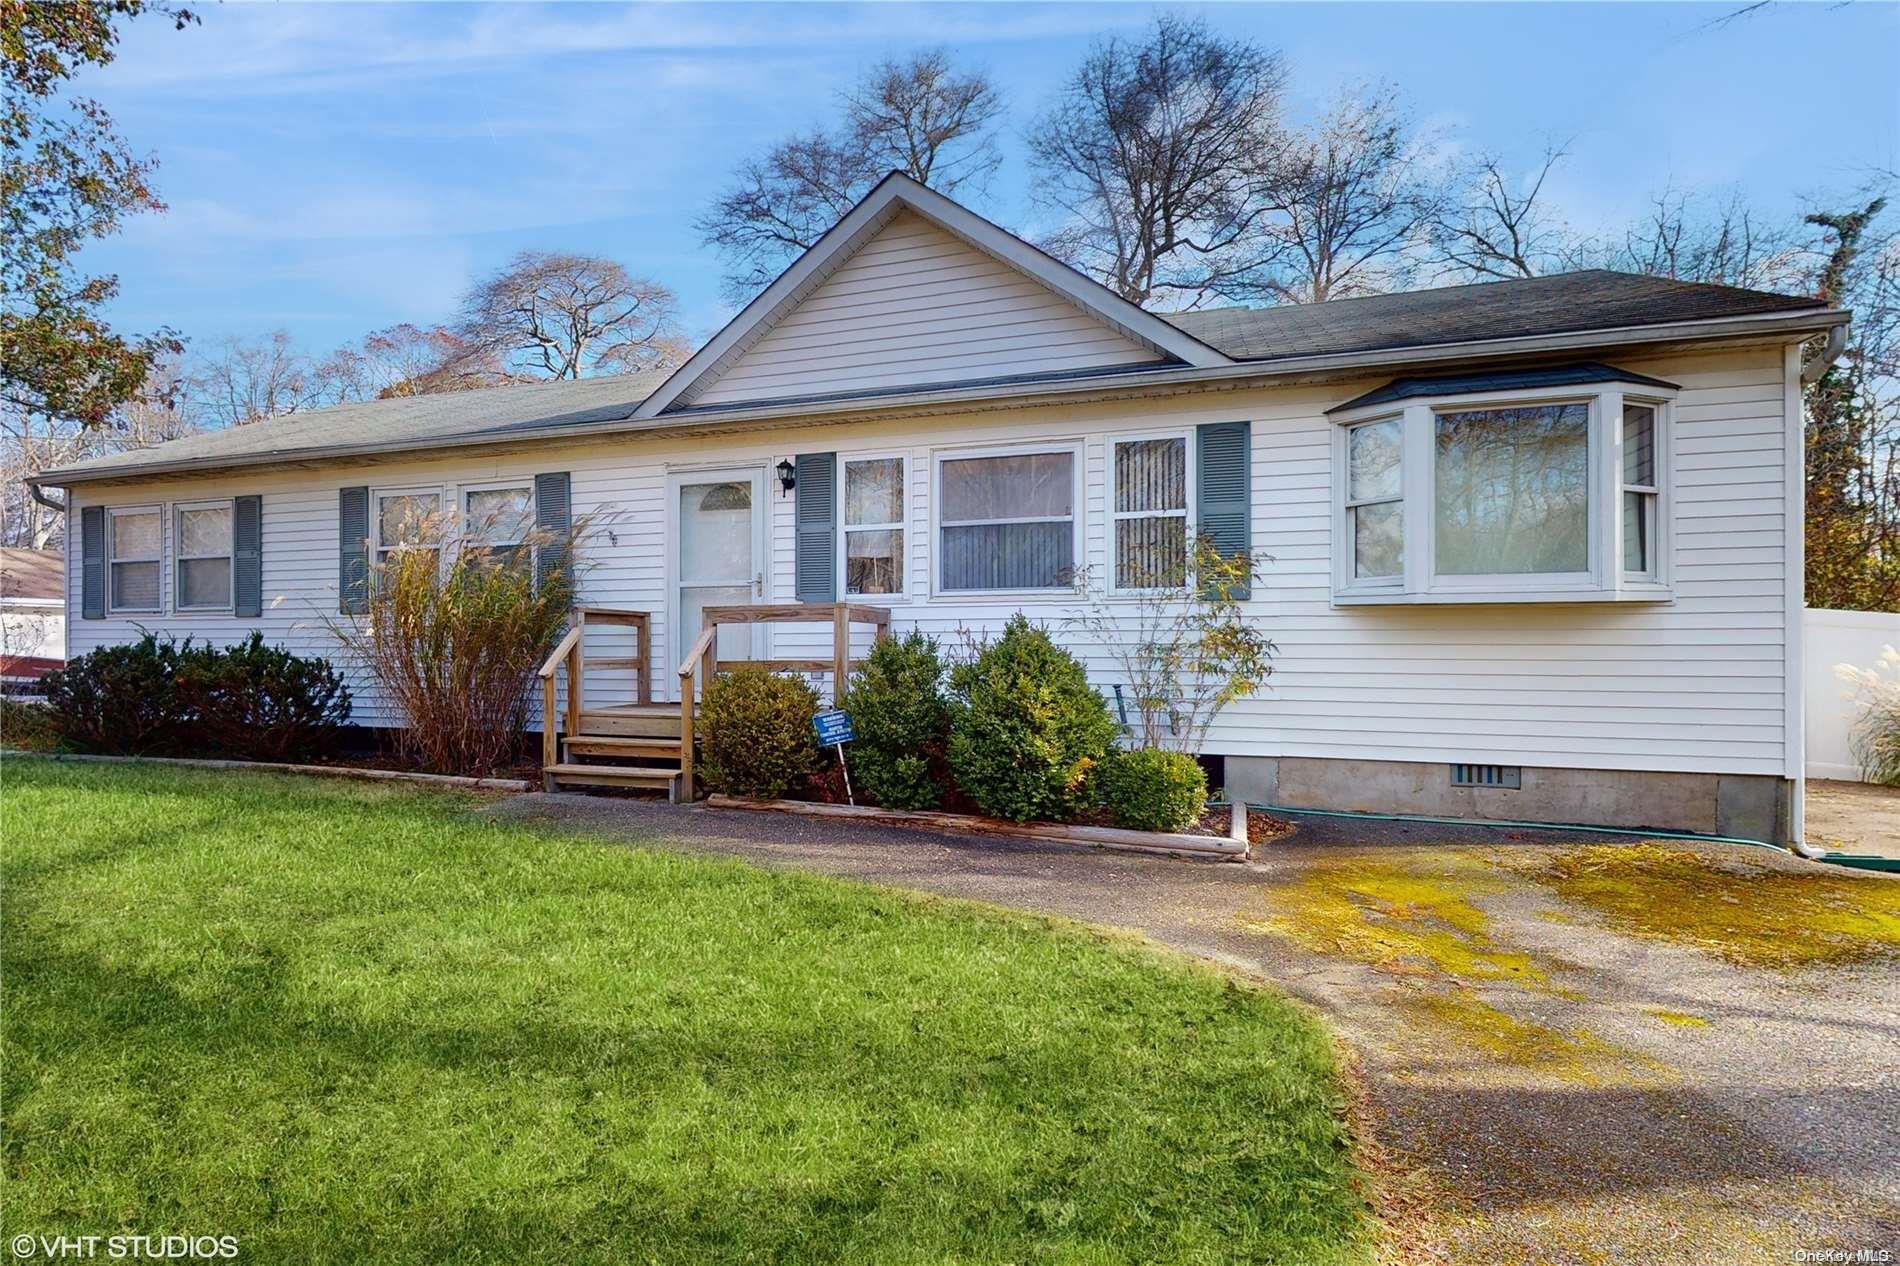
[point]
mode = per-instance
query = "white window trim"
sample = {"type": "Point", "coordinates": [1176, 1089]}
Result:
{"type": "Point", "coordinates": [462, 491]}
{"type": "Point", "coordinates": [1661, 493]}
{"type": "Point", "coordinates": [180, 558]}
{"type": "Point", "coordinates": [376, 496]}
{"type": "Point", "coordinates": [901, 525]}
{"type": "Point", "coordinates": [1077, 503]}
{"type": "Point", "coordinates": [113, 512]}
{"type": "Point", "coordinates": [1602, 580]}
{"type": "Point", "coordinates": [1111, 516]}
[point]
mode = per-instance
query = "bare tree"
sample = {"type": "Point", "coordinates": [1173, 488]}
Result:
{"type": "Point", "coordinates": [1346, 207]}
{"type": "Point", "coordinates": [245, 381]}
{"type": "Point", "coordinates": [1498, 226]}
{"type": "Point", "coordinates": [921, 116]}
{"type": "Point", "coordinates": [411, 360]}
{"type": "Point", "coordinates": [559, 315]}
{"type": "Point", "coordinates": [1147, 154]}
{"type": "Point", "coordinates": [1687, 238]}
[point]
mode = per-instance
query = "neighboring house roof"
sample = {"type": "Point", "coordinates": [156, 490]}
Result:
{"type": "Point", "coordinates": [1506, 380]}
{"type": "Point", "coordinates": [1542, 316]}
{"type": "Point", "coordinates": [1596, 299]}
{"type": "Point", "coordinates": [32, 575]}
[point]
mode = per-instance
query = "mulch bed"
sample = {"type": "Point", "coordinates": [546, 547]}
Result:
{"type": "Point", "coordinates": [1262, 828]}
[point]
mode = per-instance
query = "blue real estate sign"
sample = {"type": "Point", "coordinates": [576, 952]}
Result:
{"type": "Point", "coordinates": [833, 728]}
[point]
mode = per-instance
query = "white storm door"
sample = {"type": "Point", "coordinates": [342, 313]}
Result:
{"type": "Point", "coordinates": [720, 516]}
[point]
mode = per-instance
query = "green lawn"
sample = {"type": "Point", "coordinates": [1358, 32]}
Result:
{"type": "Point", "coordinates": [356, 1024]}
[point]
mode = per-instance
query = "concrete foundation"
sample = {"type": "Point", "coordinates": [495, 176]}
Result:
{"type": "Point", "coordinates": [1744, 806]}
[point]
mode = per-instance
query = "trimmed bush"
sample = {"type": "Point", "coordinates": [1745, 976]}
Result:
{"type": "Point", "coordinates": [755, 735]}
{"type": "Point", "coordinates": [898, 711]}
{"type": "Point", "coordinates": [1151, 789]}
{"type": "Point", "coordinates": [1026, 728]}
{"type": "Point", "coordinates": [154, 697]}
{"type": "Point", "coordinates": [262, 702]}
{"type": "Point", "coordinates": [122, 700]}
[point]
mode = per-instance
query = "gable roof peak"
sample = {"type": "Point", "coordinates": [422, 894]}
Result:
{"type": "Point", "coordinates": [895, 193]}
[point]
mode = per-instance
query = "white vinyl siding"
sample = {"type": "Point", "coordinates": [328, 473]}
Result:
{"type": "Point", "coordinates": [1696, 684]}
{"type": "Point", "coordinates": [917, 305]}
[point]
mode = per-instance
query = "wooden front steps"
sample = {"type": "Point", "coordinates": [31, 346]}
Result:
{"type": "Point", "coordinates": [630, 776]}
{"type": "Point", "coordinates": [627, 745]}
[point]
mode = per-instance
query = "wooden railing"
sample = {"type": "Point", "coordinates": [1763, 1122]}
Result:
{"type": "Point", "coordinates": [702, 660]}
{"type": "Point", "coordinates": [572, 652]}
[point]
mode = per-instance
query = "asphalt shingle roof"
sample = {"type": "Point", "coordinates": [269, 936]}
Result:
{"type": "Point", "coordinates": [1561, 304]}
{"type": "Point", "coordinates": [1567, 303]}
{"type": "Point", "coordinates": [1506, 380]}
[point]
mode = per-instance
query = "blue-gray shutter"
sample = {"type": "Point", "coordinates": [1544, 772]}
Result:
{"type": "Point", "coordinates": [92, 563]}
{"type": "Point", "coordinates": [815, 510]}
{"type": "Point", "coordinates": [553, 515]}
{"type": "Point", "coordinates": [1223, 484]}
{"type": "Point", "coordinates": [247, 557]}
{"type": "Point", "coordinates": [352, 519]}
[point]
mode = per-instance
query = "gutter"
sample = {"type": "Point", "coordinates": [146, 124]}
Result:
{"type": "Point", "coordinates": [51, 503]}
{"type": "Point", "coordinates": [958, 399]}
{"type": "Point", "coordinates": [1814, 366]}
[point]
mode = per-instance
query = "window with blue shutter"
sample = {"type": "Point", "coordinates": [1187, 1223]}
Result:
{"type": "Point", "coordinates": [1223, 485]}
{"type": "Point", "coordinates": [815, 511]}
{"type": "Point", "coordinates": [554, 517]}
{"type": "Point", "coordinates": [352, 517]}
{"type": "Point", "coordinates": [92, 563]}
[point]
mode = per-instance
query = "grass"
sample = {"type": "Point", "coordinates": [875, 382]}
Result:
{"type": "Point", "coordinates": [349, 1024]}
{"type": "Point", "coordinates": [1755, 916]}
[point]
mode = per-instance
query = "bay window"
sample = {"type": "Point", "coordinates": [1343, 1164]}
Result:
{"type": "Point", "coordinates": [1006, 521]}
{"type": "Point", "coordinates": [134, 542]}
{"type": "Point", "coordinates": [1150, 513]}
{"type": "Point", "coordinates": [873, 527]}
{"type": "Point", "coordinates": [204, 556]}
{"type": "Point", "coordinates": [1527, 486]}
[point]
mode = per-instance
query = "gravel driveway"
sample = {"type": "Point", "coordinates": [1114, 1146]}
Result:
{"type": "Point", "coordinates": [1570, 1050]}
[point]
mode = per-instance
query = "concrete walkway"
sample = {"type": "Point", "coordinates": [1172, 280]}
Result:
{"type": "Point", "coordinates": [1545, 1079]}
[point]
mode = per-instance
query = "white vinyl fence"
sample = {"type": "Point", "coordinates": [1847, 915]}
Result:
{"type": "Point", "coordinates": [1830, 638]}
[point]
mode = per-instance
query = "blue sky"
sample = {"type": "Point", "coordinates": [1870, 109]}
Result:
{"type": "Point", "coordinates": [333, 169]}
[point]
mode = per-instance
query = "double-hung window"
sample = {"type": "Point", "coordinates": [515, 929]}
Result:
{"type": "Point", "coordinates": [1006, 521]}
{"type": "Point", "coordinates": [1150, 513]}
{"type": "Point", "coordinates": [500, 523]}
{"type": "Point", "coordinates": [873, 525]}
{"type": "Point", "coordinates": [1543, 485]}
{"type": "Point", "coordinates": [203, 548]}
{"type": "Point", "coordinates": [135, 543]}
{"type": "Point", "coordinates": [1641, 491]}
{"type": "Point", "coordinates": [1375, 503]}
{"type": "Point", "coordinates": [405, 520]}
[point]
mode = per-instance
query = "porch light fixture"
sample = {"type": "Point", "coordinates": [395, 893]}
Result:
{"type": "Point", "coordinates": [787, 476]}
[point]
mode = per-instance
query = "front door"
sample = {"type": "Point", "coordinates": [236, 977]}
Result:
{"type": "Point", "coordinates": [721, 544]}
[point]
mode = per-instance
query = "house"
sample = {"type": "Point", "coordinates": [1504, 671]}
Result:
{"type": "Point", "coordinates": [32, 617]}
{"type": "Point", "coordinates": [1535, 545]}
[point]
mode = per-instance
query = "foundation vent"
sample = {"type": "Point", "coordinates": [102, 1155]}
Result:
{"type": "Point", "coordinates": [1508, 777]}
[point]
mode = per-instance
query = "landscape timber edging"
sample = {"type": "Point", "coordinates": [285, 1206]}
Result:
{"type": "Point", "coordinates": [1208, 847]}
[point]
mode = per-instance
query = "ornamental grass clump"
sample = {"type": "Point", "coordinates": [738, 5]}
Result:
{"type": "Point", "coordinates": [755, 732]}
{"type": "Point", "coordinates": [453, 636]}
{"type": "Point", "coordinates": [1026, 728]}
{"type": "Point", "coordinates": [1874, 734]}
{"type": "Point", "coordinates": [901, 720]}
